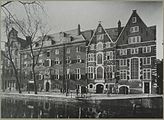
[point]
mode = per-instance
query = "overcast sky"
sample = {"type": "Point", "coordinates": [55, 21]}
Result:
{"type": "Point", "coordinates": [66, 15]}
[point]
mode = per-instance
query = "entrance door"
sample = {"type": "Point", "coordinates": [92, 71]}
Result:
{"type": "Point", "coordinates": [123, 90]}
{"type": "Point", "coordinates": [99, 88]}
{"type": "Point", "coordinates": [47, 86]}
{"type": "Point", "coordinates": [146, 87]}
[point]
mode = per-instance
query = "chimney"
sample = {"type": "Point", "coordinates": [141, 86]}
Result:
{"type": "Point", "coordinates": [78, 30]}
{"type": "Point", "coordinates": [119, 27]}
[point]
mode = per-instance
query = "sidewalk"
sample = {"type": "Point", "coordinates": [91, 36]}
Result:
{"type": "Point", "coordinates": [73, 96]}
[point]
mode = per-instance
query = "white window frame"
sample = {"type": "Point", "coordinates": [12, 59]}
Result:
{"type": "Point", "coordinates": [56, 74]}
{"type": "Point", "coordinates": [134, 50]}
{"type": "Point", "coordinates": [68, 60]}
{"type": "Point", "coordinates": [91, 57]}
{"type": "Point", "coordinates": [68, 73]}
{"type": "Point", "coordinates": [134, 29]}
{"type": "Point", "coordinates": [124, 61]}
{"type": "Point", "coordinates": [110, 54]}
{"type": "Point", "coordinates": [100, 37]}
{"type": "Point", "coordinates": [134, 39]}
{"type": "Point", "coordinates": [78, 73]}
{"type": "Point", "coordinates": [146, 59]}
{"type": "Point", "coordinates": [123, 51]}
{"type": "Point", "coordinates": [78, 59]}
{"type": "Point", "coordinates": [134, 19]}
{"type": "Point", "coordinates": [146, 49]}
{"type": "Point", "coordinates": [123, 74]}
{"type": "Point", "coordinates": [78, 49]}
{"type": "Point", "coordinates": [146, 71]}
{"type": "Point", "coordinates": [91, 71]}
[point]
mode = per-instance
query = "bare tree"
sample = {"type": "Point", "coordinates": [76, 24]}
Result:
{"type": "Point", "coordinates": [31, 27]}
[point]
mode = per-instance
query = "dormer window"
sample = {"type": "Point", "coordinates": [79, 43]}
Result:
{"type": "Point", "coordinates": [134, 19]}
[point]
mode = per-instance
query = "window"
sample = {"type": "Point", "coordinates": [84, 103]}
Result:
{"type": "Point", "coordinates": [134, 50]}
{"type": "Point", "coordinates": [123, 62]}
{"type": "Point", "coordinates": [100, 37]}
{"type": "Point", "coordinates": [56, 60]}
{"type": "Point", "coordinates": [108, 45]}
{"type": "Point", "coordinates": [68, 50]}
{"type": "Point", "coordinates": [25, 56]}
{"type": "Point", "coordinates": [48, 54]}
{"type": "Point", "coordinates": [90, 57]}
{"type": "Point", "coordinates": [99, 58]}
{"type": "Point", "coordinates": [134, 68]}
{"type": "Point", "coordinates": [68, 60]}
{"type": "Point", "coordinates": [123, 52]}
{"type": "Point", "coordinates": [134, 39]}
{"type": "Point", "coordinates": [99, 29]}
{"type": "Point", "coordinates": [134, 29]}
{"type": "Point", "coordinates": [68, 74]}
{"type": "Point", "coordinates": [90, 72]}
{"type": "Point", "coordinates": [123, 74]}
{"type": "Point", "coordinates": [100, 46]}
{"type": "Point", "coordinates": [56, 76]}
{"type": "Point", "coordinates": [99, 73]}
{"type": "Point", "coordinates": [78, 76]}
{"type": "Point", "coordinates": [134, 19]}
{"type": "Point", "coordinates": [146, 49]}
{"type": "Point", "coordinates": [40, 76]}
{"type": "Point", "coordinates": [78, 59]}
{"type": "Point", "coordinates": [25, 64]}
{"type": "Point", "coordinates": [92, 47]}
{"type": "Point", "coordinates": [109, 72]}
{"type": "Point", "coordinates": [90, 86]}
{"type": "Point", "coordinates": [47, 62]}
{"type": "Point", "coordinates": [40, 62]}
{"type": "Point", "coordinates": [56, 51]}
{"type": "Point", "coordinates": [146, 61]}
{"type": "Point", "coordinates": [146, 74]}
{"type": "Point", "coordinates": [78, 49]}
{"type": "Point", "coordinates": [109, 55]}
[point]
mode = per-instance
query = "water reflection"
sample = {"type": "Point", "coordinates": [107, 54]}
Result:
{"type": "Point", "coordinates": [23, 108]}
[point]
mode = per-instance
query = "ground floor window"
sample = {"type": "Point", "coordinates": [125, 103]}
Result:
{"type": "Point", "coordinates": [123, 74]}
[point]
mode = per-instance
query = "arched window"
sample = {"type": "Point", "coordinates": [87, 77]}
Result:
{"type": "Point", "coordinates": [100, 46]}
{"type": "Point", "coordinates": [99, 73]}
{"type": "Point", "coordinates": [99, 59]}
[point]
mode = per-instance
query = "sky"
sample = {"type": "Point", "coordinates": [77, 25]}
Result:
{"type": "Point", "coordinates": [66, 15]}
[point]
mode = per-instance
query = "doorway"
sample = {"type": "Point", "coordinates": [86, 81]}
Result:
{"type": "Point", "coordinates": [146, 87]}
{"type": "Point", "coordinates": [47, 86]}
{"type": "Point", "coordinates": [99, 88]}
{"type": "Point", "coordinates": [123, 90]}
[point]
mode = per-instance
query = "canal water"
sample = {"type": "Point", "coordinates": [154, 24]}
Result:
{"type": "Point", "coordinates": [26, 108]}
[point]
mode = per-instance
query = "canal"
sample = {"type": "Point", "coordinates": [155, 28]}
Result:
{"type": "Point", "coordinates": [129, 108]}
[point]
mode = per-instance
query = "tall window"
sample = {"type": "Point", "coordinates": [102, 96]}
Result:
{"type": "Point", "coordinates": [90, 72]}
{"type": "Point", "coordinates": [147, 74]}
{"type": "Point", "coordinates": [123, 74]}
{"type": "Point", "coordinates": [109, 55]}
{"type": "Point", "coordinates": [56, 76]}
{"type": "Point", "coordinates": [109, 72]}
{"type": "Point", "coordinates": [48, 53]}
{"type": "Point", "coordinates": [99, 73]}
{"type": "Point", "coordinates": [78, 75]}
{"type": "Point", "coordinates": [147, 61]}
{"type": "Point", "coordinates": [134, 68]}
{"type": "Point", "coordinates": [90, 57]}
{"type": "Point", "coordinates": [99, 46]}
{"type": "Point", "coordinates": [99, 58]}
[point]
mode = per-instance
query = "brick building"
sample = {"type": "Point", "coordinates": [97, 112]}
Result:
{"type": "Point", "coordinates": [113, 60]}
{"type": "Point", "coordinates": [122, 59]}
